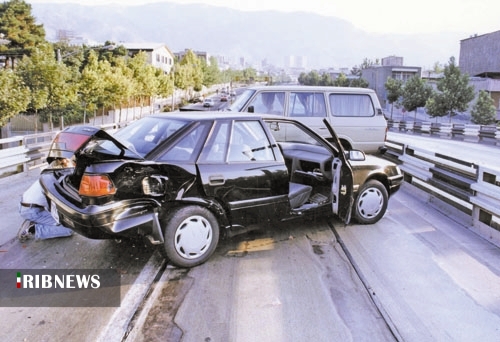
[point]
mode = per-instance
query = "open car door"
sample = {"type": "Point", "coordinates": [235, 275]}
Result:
{"type": "Point", "coordinates": [342, 185]}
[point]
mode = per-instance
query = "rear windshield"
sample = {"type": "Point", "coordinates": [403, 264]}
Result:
{"type": "Point", "coordinates": [143, 136]}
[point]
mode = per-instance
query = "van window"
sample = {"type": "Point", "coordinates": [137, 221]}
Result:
{"type": "Point", "coordinates": [351, 105]}
{"type": "Point", "coordinates": [268, 102]}
{"type": "Point", "coordinates": [306, 104]}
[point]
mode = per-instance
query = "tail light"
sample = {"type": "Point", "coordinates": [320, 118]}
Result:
{"type": "Point", "coordinates": [96, 186]}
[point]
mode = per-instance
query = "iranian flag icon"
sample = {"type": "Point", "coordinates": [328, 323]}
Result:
{"type": "Point", "coordinates": [18, 280]}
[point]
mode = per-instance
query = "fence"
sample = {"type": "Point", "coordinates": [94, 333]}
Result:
{"type": "Point", "coordinates": [488, 134]}
{"type": "Point", "coordinates": [472, 189]}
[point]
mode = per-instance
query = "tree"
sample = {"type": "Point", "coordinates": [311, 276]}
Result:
{"type": "Point", "coordinates": [14, 96]}
{"type": "Point", "coordinates": [359, 82]}
{"type": "Point", "coordinates": [326, 80]}
{"type": "Point", "coordinates": [20, 28]}
{"type": "Point", "coordinates": [50, 82]}
{"type": "Point", "coordinates": [211, 72]}
{"type": "Point", "coordinates": [415, 94]}
{"type": "Point", "coordinates": [357, 70]}
{"type": "Point", "coordinates": [341, 81]}
{"type": "Point", "coordinates": [144, 77]}
{"type": "Point", "coordinates": [311, 78]}
{"type": "Point", "coordinates": [91, 85]}
{"type": "Point", "coordinates": [394, 89]}
{"type": "Point", "coordinates": [484, 111]}
{"type": "Point", "coordinates": [453, 93]}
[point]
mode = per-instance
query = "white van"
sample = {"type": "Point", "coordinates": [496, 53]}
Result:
{"type": "Point", "coordinates": [355, 113]}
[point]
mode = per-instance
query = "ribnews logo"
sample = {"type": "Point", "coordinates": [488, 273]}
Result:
{"type": "Point", "coordinates": [47, 281]}
{"type": "Point", "coordinates": [59, 288]}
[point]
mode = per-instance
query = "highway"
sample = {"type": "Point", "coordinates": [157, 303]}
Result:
{"type": "Point", "coordinates": [419, 274]}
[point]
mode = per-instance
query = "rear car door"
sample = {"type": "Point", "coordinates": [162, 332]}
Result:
{"type": "Point", "coordinates": [245, 172]}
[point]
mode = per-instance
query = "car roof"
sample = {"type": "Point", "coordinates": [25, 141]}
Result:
{"type": "Point", "coordinates": [296, 87]}
{"type": "Point", "coordinates": [213, 115]}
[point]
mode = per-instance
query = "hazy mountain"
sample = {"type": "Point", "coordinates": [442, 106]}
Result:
{"type": "Point", "coordinates": [271, 35]}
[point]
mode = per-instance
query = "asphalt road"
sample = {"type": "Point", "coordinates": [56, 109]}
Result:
{"type": "Point", "coordinates": [417, 275]}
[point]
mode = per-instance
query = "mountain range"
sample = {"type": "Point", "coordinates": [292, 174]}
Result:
{"type": "Point", "coordinates": [326, 42]}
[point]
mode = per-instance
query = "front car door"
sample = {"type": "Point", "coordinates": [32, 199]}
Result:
{"type": "Point", "coordinates": [342, 185]}
{"type": "Point", "coordinates": [294, 137]}
{"type": "Point", "coordinates": [242, 170]}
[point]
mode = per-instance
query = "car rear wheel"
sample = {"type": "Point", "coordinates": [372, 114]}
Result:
{"type": "Point", "coordinates": [371, 203]}
{"type": "Point", "coordinates": [191, 236]}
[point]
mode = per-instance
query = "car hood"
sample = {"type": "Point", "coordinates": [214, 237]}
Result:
{"type": "Point", "coordinates": [73, 139]}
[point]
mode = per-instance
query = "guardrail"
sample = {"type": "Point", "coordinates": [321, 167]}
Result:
{"type": "Point", "coordinates": [487, 134]}
{"type": "Point", "coordinates": [472, 189]}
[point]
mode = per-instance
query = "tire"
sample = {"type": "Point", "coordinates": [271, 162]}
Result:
{"type": "Point", "coordinates": [191, 236]}
{"type": "Point", "coordinates": [371, 202]}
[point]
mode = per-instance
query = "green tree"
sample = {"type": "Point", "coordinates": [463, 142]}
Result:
{"type": "Point", "coordinates": [394, 89]}
{"type": "Point", "coordinates": [341, 81]}
{"type": "Point", "coordinates": [367, 63]}
{"type": "Point", "coordinates": [326, 80]}
{"type": "Point", "coordinates": [453, 93]}
{"type": "Point", "coordinates": [20, 28]}
{"type": "Point", "coordinates": [359, 82]}
{"type": "Point", "coordinates": [311, 78]}
{"type": "Point", "coordinates": [484, 112]}
{"type": "Point", "coordinates": [415, 94]}
{"type": "Point", "coordinates": [91, 85]}
{"type": "Point", "coordinates": [14, 96]}
{"type": "Point", "coordinates": [211, 72]}
{"type": "Point", "coordinates": [50, 83]}
{"type": "Point", "coordinates": [144, 76]}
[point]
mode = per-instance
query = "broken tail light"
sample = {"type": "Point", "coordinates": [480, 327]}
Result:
{"type": "Point", "coordinates": [96, 186]}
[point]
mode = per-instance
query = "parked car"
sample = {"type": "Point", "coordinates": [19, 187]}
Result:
{"type": "Point", "coordinates": [208, 102]}
{"type": "Point", "coordinates": [355, 113]}
{"type": "Point", "coordinates": [182, 180]}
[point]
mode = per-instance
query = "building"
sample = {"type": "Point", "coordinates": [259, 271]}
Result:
{"type": "Point", "coordinates": [480, 59]}
{"type": "Point", "coordinates": [203, 55]}
{"type": "Point", "coordinates": [393, 67]}
{"type": "Point", "coordinates": [158, 54]}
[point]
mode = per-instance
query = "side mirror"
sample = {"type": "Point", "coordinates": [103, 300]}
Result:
{"type": "Point", "coordinates": [251, 109]}
{"type": "Point", "coordinates": [356, 155]}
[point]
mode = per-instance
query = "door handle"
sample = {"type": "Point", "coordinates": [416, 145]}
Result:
{"type": "Point", "coordinates": [216, 180]}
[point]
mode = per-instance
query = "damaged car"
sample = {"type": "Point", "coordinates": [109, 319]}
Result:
{"type": "Point", "coordinates": [182, 181]}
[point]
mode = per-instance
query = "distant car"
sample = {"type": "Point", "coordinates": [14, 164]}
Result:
{"type": "Point", "coordinates": [181, 180]}
{"type": "Point", "coordinates": [196, 99]}
{"type": "Point", "coordinates": [232, 93]}
{"type": "Point", "coordinates": [224, 97]}
{"type": "Point", "coordinates": [209, 102]}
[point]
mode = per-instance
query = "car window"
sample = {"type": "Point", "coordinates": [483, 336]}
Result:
{"type": "Point", "coordinates": [216, 148]}
{"type": "Point", "coordinates": [291, 132]}
{"type": "Point", "coordinates": [306, 104]}
{"type": "Point", "coordinates": [351, 105]}
{"type": "Point", "coordinates": [268, 102]}
{"type": "Point", "coordinates": [249, 142]}
{"type": "Point", "coordinates": [142, 136]}
{"type": "Point", "coordinates": [241, 100]}
{"type": "Point", "coordinates": [186, 148]}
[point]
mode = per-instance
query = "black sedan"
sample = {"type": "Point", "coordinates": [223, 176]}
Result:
{"type": "Point", "coordinates": [181, 180]}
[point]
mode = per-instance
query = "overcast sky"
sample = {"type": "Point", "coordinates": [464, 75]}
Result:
{"type": "Point", "coordinates": [376, 16]}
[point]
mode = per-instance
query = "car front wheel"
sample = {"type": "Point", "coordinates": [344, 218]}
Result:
{"type": "Point", "coordinates": [191, 236]}
{"type": "Point", "coordinates": [371, 202]}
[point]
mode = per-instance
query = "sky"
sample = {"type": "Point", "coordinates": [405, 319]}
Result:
{"type": "Point", "coordinates": [374, 16]}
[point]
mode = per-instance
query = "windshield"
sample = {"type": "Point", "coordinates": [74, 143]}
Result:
{"type": "Point", "coordinates": [142, 136]}
{"type": "Point", "coordinates": [241, 101]}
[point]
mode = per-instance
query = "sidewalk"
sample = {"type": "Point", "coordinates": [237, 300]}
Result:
{"type": "Point", "coordinates": [12, 187]}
